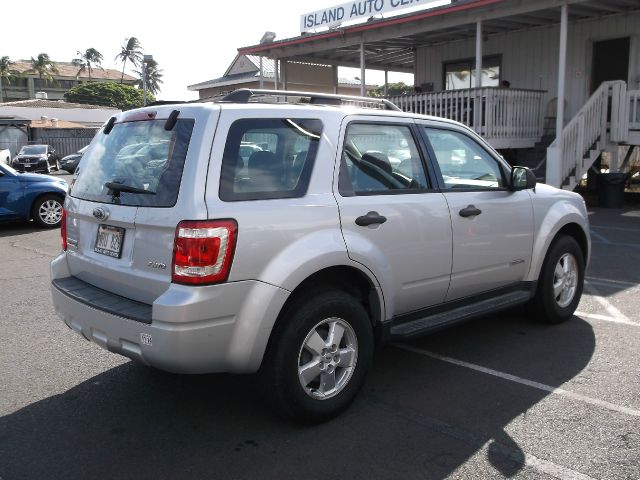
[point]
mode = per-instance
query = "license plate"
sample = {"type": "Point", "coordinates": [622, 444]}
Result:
{"type": "Point", "coordinates": [109, 241]}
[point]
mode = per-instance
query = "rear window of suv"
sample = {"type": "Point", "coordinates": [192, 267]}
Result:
{"type": "Point", "coordinates": [269, 158]}
{"type": "Point", "coordinates": [141, 157]}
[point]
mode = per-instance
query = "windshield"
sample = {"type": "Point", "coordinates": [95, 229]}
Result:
{"type": "Point", "coordinates": [140, 155]}
{"type": "Point", "coordinates": [33, 150]}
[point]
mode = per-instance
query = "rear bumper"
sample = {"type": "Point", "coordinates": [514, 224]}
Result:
{"type": "Point", "coordinates": [217, 328]}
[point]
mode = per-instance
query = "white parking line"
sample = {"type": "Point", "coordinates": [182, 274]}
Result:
{"type": "Point", "coordinates": [614, 282]}
{"type": "Point", "coordinates": [604, 318]}
{"type": "Point", "coordinates": [602, 238]}
{"type": "Point", "coordinates": [545, 466]}
{"type": "Point", "coordinates": [523, 381]}
{"type": "Point", "coordinates": [608, 306]}
{"type": "Point", "coordinates": [622, 229]}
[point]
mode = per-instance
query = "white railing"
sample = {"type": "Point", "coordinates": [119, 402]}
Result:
{"type": "Point", "coordinates": [494, 113]}
{"type": "Point", "coordinates": [606, 108]}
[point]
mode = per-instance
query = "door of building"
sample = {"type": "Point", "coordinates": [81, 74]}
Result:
{"type": "Point", "coordinates": [610, 61]}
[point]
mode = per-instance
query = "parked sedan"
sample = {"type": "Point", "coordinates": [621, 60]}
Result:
{"type": "Point", "coordinates": [70, 162]}
{"type": "Point", "coordinates": [34, 158]}
{"type": "Point", "coordinates": [25, 196]}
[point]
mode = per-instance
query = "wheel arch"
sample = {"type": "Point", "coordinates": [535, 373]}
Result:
{"type": "Point", "coordinates": [573, 227]}
{"type": "Point", "coordinates": [349, 279]}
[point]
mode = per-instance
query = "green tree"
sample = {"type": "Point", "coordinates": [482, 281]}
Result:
{"type": "Point", "coordinates": [7, 72]}
{"type": "Point", "coordinates": [85, 61]}
{"type": "Point", "coordinates": [153, 76]}
{"type": "Point", "coordinates": [399, 88]}
{"type": "Point", "coordinates": [107, 94]}
{"type": "Point", "coordinates": [44, 67]}
{"type": "Point", "coordinates": [131, 52]}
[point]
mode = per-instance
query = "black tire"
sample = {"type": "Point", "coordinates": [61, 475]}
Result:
{"type": "Point", "coordinates": [47, 168]}
{"type": "Point", "coordinates": [547, 307]}
{"type": "Point", "coordinates": [278, 377]}
{"type": "Point", "coordinates": [51, 203]}
{"type": "Point", "coordinates": [58, 168]}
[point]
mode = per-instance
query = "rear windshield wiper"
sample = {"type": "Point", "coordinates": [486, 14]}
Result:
{"type": "Point", "coordinates": [121, 187]}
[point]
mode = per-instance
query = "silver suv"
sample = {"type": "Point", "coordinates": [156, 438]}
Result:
{"type": "Point", "coordinates": [289, 239]}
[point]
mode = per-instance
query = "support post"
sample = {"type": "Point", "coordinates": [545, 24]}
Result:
{"type": "Point", "coordinates": [386, 82]}
{"type": "Point", "coordinates": [261, 73]}
{"type": "Point", "coordinates": [477, 102]}
{"type": "Point", "coordinates": [478, 82]}
{"type": "Point", "coordinates": [554, 175]}
{"type": "Point", "coordinates": [334, 70]}
{"type": "Point", "coordinates": [362, 70]}
{"type": "Point", "coordinates": [276, 75]}
{"type": "Point", "coordinates": [562, 69]}
{"type": "Point", "coordinates": [283, 65]}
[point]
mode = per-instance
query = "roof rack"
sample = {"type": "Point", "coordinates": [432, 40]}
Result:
{"type": "Point", "coordinates": [243, 95]}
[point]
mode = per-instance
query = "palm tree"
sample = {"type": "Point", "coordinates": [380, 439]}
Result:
{"type": "Point", "coordinates": [86, 59]}
{"type": "Point", "coordinates": [7, 72]}
{"type": "Point", "coordinates": [131, 51]}
{"type": "Point", "coordinates": [153, 76]}
{"type": "Point", "coordinates": [44, 67]}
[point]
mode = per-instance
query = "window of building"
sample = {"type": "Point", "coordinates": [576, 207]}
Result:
{"type": "Point", "coordinates": [461, 74]}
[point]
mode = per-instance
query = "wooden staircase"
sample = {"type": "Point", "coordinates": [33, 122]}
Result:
{"type": "Point", "coordinates": [603, 123]}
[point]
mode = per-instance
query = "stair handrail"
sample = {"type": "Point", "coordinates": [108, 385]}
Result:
{"type": "Point", "coordinates": [587, 127]}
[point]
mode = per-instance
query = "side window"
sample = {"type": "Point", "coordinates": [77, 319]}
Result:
{"type": "Point", "coordinates": [269, 158]}
{"type": "Point", "coordinates": [463, 163]}
{"type": "Point", "coordinates": [378, 158]}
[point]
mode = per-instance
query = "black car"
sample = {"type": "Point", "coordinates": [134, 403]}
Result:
{"type": "Point", "coordinates": [37, 158]}
{"type": "Point", "coordinates": [70, 162]}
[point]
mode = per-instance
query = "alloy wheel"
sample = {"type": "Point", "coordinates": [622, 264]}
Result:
{"type": "Point", "coordinates": [327, 358]}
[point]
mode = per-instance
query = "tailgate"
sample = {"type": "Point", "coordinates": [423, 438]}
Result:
{"type": "Point", "coordinates": [134, 185]}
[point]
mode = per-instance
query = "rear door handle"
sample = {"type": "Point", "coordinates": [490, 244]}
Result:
{"type": "Point", "coordinates": [470, 211]}
{"type": "Point", "coordinates": [371, 218]}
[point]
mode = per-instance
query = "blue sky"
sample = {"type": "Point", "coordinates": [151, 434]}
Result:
{"type": "Point", "coordinates": [193, 41]}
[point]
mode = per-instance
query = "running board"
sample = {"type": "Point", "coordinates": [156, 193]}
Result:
{"type": "Point", "coordinates": [441, 319]}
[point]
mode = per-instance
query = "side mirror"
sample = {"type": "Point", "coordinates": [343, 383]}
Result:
{"type": "Point", "coordinates": [522, 178]}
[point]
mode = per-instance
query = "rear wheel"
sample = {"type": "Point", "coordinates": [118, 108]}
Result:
{"type": "Point", "coordinates": [560, 283]}
{"type": "Point", "coordinates": [318, 356]}
{"type": "Point", "coordinates": [58, 168]}
{"type": "Point", "coordinates": [47, 211]}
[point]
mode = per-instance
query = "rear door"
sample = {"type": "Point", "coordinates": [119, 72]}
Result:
{"type": "Point", "coordinates": [133, 187]}
{"type": "Point", "coordinates": [492, 225]}
{"type": "Point", "coordinates": [393, 221]}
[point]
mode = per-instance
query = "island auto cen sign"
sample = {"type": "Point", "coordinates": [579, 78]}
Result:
{"type": "Point", "coordinates": [332, 16]}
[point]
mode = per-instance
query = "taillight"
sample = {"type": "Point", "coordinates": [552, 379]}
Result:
{"type": "Point", "coordinates": [203, 251]}
{"type": "Point", "coordinates": [63, 230]}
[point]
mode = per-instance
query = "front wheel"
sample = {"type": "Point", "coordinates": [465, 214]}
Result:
{"type": "Point", "coordinates": [560, 283]}
{"type": "Point", "coordinates": [318, 356]}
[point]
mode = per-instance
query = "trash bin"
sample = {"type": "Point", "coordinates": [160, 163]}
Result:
{"type": "Point", "coordinates": [611, 190]}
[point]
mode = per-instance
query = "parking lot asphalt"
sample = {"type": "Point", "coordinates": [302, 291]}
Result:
{"type": "Point", "coordinates": [498, 397]}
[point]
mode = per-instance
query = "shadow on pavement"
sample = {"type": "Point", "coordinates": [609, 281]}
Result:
{"type": "Point", "coordinates": [416, 417]}
{"type": "Point", "coordinates": [13, 229]}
